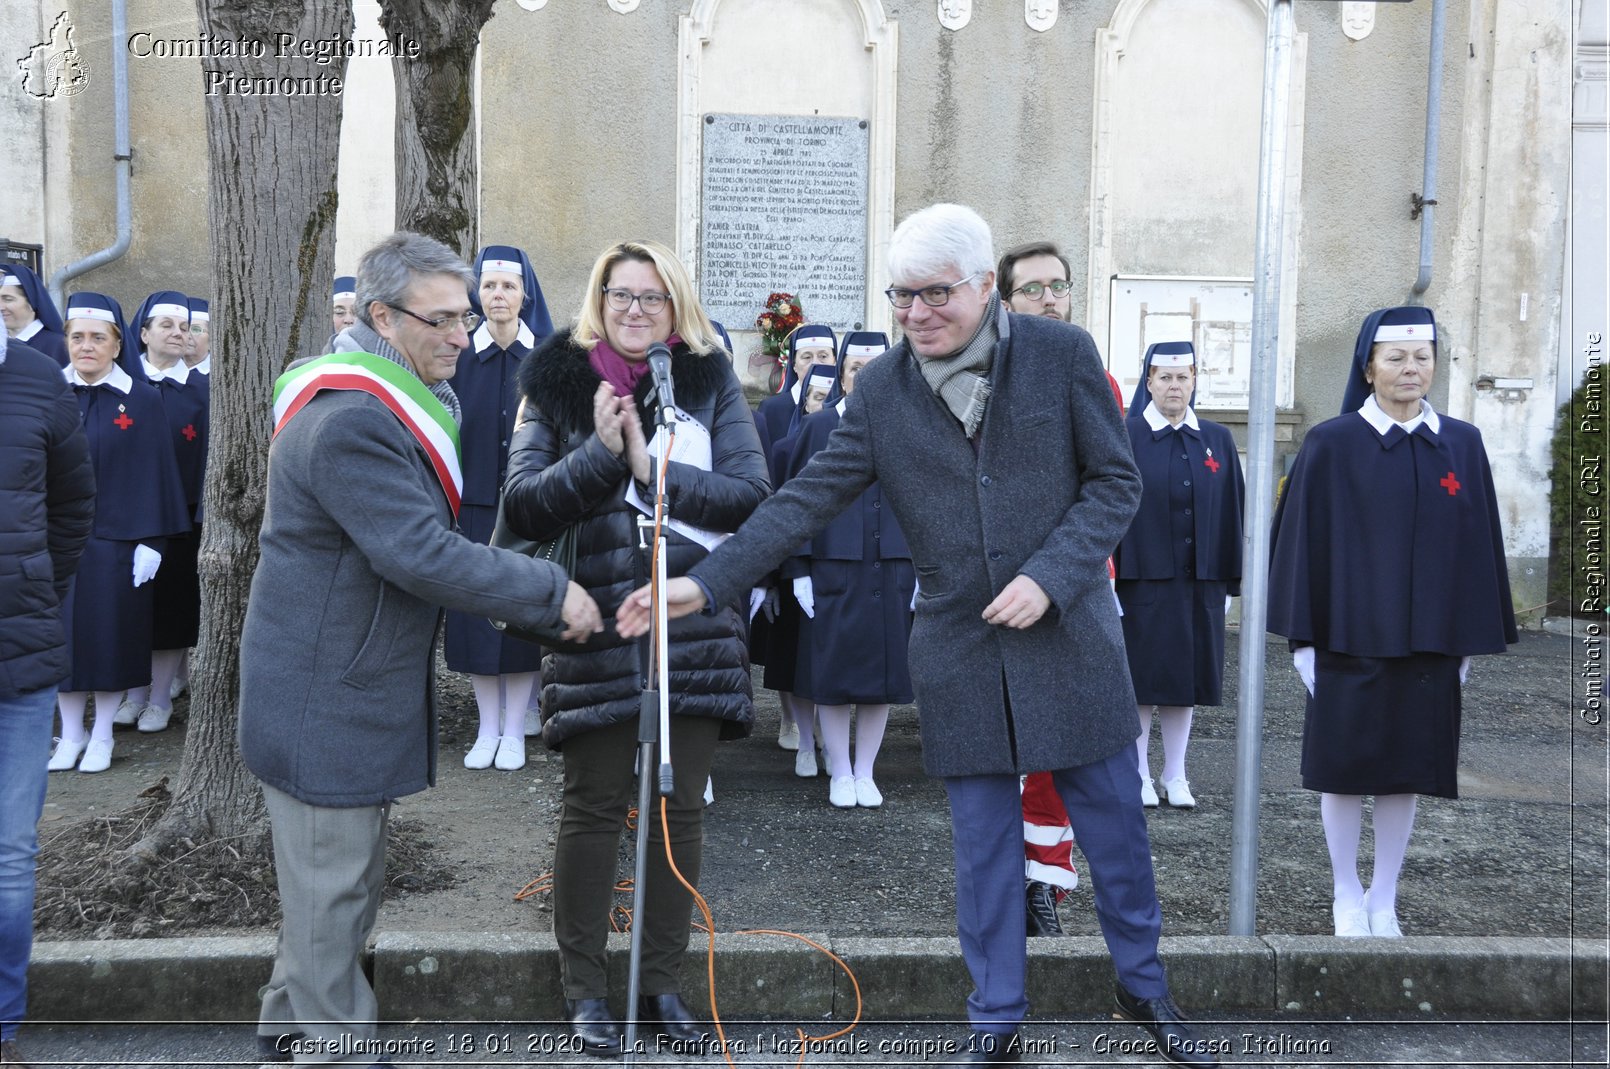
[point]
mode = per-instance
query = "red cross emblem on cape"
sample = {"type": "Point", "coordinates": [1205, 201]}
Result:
{"type": "Point", "coordinates": [1452, 483]}
{"type": "Point", "coordinates": [189, 432]}
{"type": "Point", "coordinates": [123, 421]}
{"type": "Point", "coordinates": [1210, 464]}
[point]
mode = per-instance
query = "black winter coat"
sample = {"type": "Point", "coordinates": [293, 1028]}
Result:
{"type": "Point", "coordinates": [561, 473]}
{"type": "Point", "coordinates": [47, 507]}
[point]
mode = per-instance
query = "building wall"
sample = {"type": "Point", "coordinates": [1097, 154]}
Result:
{"type": "Point", "coordinates": [579, 125]}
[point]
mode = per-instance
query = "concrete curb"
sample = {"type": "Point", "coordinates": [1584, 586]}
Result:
{"type": "Point", "coordinates": [473, 976]}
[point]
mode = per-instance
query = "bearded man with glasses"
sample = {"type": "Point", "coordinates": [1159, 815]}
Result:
{"type": "Point", "coordinates": [994, 441]}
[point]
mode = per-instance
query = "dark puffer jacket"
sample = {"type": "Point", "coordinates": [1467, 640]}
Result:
{"type": "Point", "coordinates": [560, 473]}
{"type": "Point", "coordinates": [47, 506]}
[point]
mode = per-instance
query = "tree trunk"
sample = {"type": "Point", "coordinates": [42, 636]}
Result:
{"type": "Point", "coordinates": [437, 179]}
{"type": "Point", "coordinates": [271, 212]}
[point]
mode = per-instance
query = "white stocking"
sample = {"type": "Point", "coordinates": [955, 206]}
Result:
{"type": "Point", "coordinates": [870, 720]}
{"type": "Point", "coordinates": [164, 666]}
{"type": "Point", "coordinates": [1343, 815]}
{"type": "Point", "coordinates": [804, 716]}
{"type": "Point", "coordinates": [71, 703]}
{"type": "Point", "coordinates": [1393, 819]}
{"type": "Point", "coordinates": [1175, 726]}
{"type": "Point", "coordinates": [105, 708]}
{"type": "Point", "coordinates": [835, 725]}
{"type": "Point", "coordinates": [1143, 743]}
{"type": "Point", "coordinates": [489, 701]}
{"type": "Point", "coordinates": [516, 697]}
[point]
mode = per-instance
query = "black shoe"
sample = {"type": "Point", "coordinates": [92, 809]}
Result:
{"type": "Point", "coordinates": [276, 1048]}
{"type": "Point", "coordinates": [992, 1048]}
{"type": "Point", "coordinates": [669, 1016]}
{"type": "Point", "coordinates": [1162, 1019]}
{"type": "Point", "coordinates": [591, 1022]}
{"type": "Point", "coordinates": [1042, 909]}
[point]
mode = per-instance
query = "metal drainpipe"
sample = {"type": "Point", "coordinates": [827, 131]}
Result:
{"type": "Point", "coordinates": [125, 225]}
{"type": "Point", "coordinates": [1426, 203]}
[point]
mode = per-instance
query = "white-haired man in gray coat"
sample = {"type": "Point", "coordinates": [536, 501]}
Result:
{"type": "Point", "coordinates": [996, 442]}
{"type": "Point", "coordinates": [359, 557]}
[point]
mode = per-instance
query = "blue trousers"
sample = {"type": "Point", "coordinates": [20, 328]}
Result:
{"type": "Point", "coordinates": [986, 823]}
{"type": "Point", "coordinates": [25, 722]}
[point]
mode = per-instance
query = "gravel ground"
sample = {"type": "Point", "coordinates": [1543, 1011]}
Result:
{"type": "Point", "coordinates": [1522, 852]}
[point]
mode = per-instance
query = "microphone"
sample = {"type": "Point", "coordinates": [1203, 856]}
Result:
{"type": "Point", "coordinates": [659, 365]}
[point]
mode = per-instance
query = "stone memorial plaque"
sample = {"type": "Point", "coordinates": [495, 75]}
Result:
{"type": "Point", "coordinates": [783, 207]}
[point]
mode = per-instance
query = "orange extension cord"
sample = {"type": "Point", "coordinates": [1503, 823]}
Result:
{"type": "Point", "coordinates": [620, 917]}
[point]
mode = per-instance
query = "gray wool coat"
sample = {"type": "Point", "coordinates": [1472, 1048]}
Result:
{"type": "Point", "coordinates": [359, 556]}
{"type": "Point", "coordinates": [1047, 493]}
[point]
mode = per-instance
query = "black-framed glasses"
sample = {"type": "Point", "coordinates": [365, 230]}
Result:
{"type": "Point", "coordinates": [469, 320]}
{"type": "Point", "coordinates": [1035, 290]}
{"type": "Point", "coordinates": [650, 302]}
{"type": "Point", "coordinates": [932, 296]}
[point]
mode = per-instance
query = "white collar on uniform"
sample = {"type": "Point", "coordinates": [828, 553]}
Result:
{"type": "Point", "coordinates": [482, 339]}
{"type": "Point", "coordinates": [205, 367]}
{"type": "Point", "coordinates": [117, 379]}
{"type": "Point", "coordinates": [179, 372]}
{"type": "Point", "coordinates": [30, 330]}
{"type": "Point", "coordinates": [1376, 417]}
{"type": "Point", "coordinates": [844, 402]}
{"type": "Point", "coordinates": [793, 391]}
{"type": "Point", "coordinates": [1157, 421]}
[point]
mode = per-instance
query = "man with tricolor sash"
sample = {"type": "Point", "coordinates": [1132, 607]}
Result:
{"type": "Point", "coordinates": [360, 554]}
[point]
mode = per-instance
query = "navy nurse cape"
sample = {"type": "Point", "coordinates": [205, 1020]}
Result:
{"type": "Point", "coordinates": [1148, 549]}
{"type": "Point", "coordinates": [1387, 546]}
{"type": "Point", "coordinates": [489, 398]}
{"type": "Point", "coordinates": [854, 650]}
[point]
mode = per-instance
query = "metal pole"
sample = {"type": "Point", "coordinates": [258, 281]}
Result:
{"type": "Point", "coordinates": [1277, 64]}
{"type": "Point", "coordinates": [1428, 183]}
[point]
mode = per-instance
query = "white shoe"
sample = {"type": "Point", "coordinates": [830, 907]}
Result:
{"type": "Point", "coordinates": [867, 795]}
{"type": "Point", "coordinates": [533, 723]}
{"type": "Point", "coordinates": [788, 736]}
{"type": "Point", "coordinates": [1383, 923]}
{"type": "Point", "coordinates": [1351, 921]}
{"type": "Point", "coordinates": [841, 792]}
{"type": "Point", "coordinates": [128, 713]}
{"type": "Point", "coordinates": [66, 754]}
{"type": "Point", "coordinates": [177, 687]}
{"type": "Point", "coordinates": [482, 753]}
{"type": "Point", "coordinates": [154, 718]}
{"type": "Point", "coordinates": [1148, 794]}
{"type": "Point", "coordinates": [511, 753]}
{"type": "Point", "coordinates": [97, 756]}
{"type": "Point", "coordinates": [1178, 793]}
{"type": "Point", "coordinates": [805, 763]}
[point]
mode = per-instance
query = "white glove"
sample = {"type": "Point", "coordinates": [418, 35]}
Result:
{"type": "Point", "coordinates": [146, 562]}
{"type": "Point", "coordinates": [1302, 658]}
{"type": "Point", "coordinates": [774, 604]}
{"type": "Point", "coordinates": [1464, 670]}
{"type": "Point", "coordinates": [805, 595]}
{"type": "Point", "coordinates": [757, 597]}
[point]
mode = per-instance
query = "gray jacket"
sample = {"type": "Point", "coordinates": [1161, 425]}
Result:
{"type": "Point", "coordinates": [1048, 492]}
{"type": "Point", "coordinates": [359, 555]}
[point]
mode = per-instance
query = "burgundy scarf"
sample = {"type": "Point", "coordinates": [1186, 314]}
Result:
{"type": "Point", "coordinates": [615, 369]}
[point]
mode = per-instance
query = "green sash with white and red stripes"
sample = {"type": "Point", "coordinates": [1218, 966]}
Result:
{"type": "Point", "coordinates": [426, 418]}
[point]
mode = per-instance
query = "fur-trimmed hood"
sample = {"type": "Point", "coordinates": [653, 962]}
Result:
{"type": "Point", "coordinates": [558, 379]}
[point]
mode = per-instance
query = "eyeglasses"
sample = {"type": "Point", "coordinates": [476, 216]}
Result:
{"type": "Point", "coordinates": [932, 296]}
{"type": "Point", "coordinates": [621, 300]}
{"type": "Point", "coordinates": [446, 324]}
{"type": "Point", "coordinates": [1033, 290]}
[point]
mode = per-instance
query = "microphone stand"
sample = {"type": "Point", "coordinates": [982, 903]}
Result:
{"type": "Point", "coordinates": [654, 720]}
